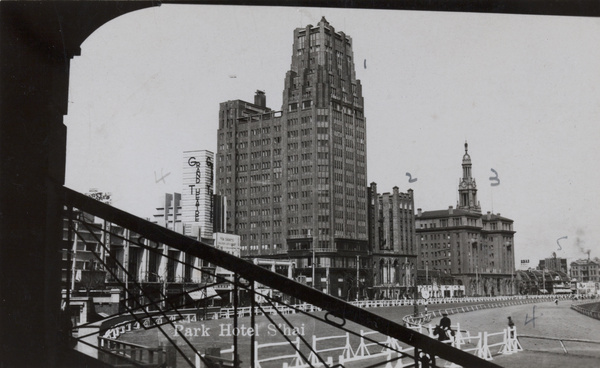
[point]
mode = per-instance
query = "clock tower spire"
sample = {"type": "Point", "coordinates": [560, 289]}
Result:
{"type": "Point", "coordinates": [467, 188]}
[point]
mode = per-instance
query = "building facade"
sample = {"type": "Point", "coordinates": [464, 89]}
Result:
{"type": "Point", "coordinates": [544, 281]}
{"type": "Point", "coordinates": [392, 243]}
{"type": "Point", "coordinates": [197, 193]}
{"type": "Point", "coordinates": [295, 179]}
{"type": "Point", "coordinates": [476, 249]}
{"type": "Point", "coordinates": [124, 257]}
{"type": "Point", "coordinates": [584, 270]}
{"type": "Point", "coordinates": [553, 263]}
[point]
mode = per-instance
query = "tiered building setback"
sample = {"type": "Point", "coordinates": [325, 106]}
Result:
{"type": "Point", "coordinates": [295, 180]}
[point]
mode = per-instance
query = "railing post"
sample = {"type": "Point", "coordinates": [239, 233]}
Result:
{"type": "Point", "coordinates": [416, 357]}
{"type": "Point", "coordinates": [236, 279]}
{"type": "Point", "coordinates": [253, 324]}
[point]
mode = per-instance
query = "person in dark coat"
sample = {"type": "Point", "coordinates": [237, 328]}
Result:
{"type": "Point", "coordinates": [444, 328]}
{"type": "Point", "coordinates": [445, 321]}
{"type": "Point", "coordinates": [511, 324]}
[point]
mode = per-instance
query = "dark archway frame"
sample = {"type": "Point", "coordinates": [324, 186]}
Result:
{"type": "Point", "coordinates": [38, 40]}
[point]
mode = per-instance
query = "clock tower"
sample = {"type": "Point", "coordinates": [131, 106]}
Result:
{"type": "Point", "coordinates": [467, 188]}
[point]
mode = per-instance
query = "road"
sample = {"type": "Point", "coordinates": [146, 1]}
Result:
{"type": "Point", "coordinates": [549, 320]}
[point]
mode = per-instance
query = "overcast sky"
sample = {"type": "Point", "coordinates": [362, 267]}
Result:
{"type": "Point", "coordinates": [524, 91]}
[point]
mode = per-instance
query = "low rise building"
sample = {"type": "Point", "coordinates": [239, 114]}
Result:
{"type": "Point", "coordinates": [584, 270]}
{"type": "Point", "coordinates": [536, 282]}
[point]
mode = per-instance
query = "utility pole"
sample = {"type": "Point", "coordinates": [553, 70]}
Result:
{"type": "Point", "coordinates": [406, 281]}
{"type": "Point", "coordinates": [313, 261]}
{"type": "Point", "coordinates": [544, 279]}
{"type": "Point", "coordinates": [327, 280]}
{"type": "Point", "coordinates": [416, 296]}
{"type": "Point", "coordinates": [357, 275]}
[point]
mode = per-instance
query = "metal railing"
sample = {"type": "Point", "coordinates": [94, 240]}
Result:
{"type": "Point", "coordinates": [181, 252]}
{"type": "Point", "coordinates": [561, 340]}
{"type": "Point", "coordinates": [581, 308]}
{"type": "Point", "coordinates": [116, 352]}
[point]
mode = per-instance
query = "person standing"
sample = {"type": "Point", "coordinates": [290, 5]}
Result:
{"type": "Point", "coordinates": [511, 325]}
{"type": "Point", "coordinates": [445, 322]}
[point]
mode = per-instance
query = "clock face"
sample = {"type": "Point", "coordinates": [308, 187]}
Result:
{"type": "Point", "coordinates": [463, 184]}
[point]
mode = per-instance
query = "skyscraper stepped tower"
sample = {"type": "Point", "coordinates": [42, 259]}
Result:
{"type": "Point", "coordinates": [295, 179]}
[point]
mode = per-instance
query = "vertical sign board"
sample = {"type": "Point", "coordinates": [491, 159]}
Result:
{"type": "Point", "coordinates": [197, 192]}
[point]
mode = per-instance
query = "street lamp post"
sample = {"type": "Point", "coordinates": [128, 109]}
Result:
{"type": "Point", "coordinates": [477, 279]}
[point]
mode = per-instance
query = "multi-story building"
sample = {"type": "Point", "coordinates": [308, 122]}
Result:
{"type": "Point", "coordinates": [477, 250]}
{"type": "Point", "coordinates": [553, 263]}
{"type": "Point", "coordinates": [166, 270]}
{"type": "Point", "coordinates": [296, 179]}
{"type": "Point", "coordinates": [392, 242]}
{"type": "Point", "coordinates": [584, 270]}
{"type": "Point", "coordinates": [197, 193]}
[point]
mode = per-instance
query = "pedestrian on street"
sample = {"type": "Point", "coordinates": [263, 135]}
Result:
{"type": "Point", "coordinates": [511, 324]}
{"type": "Point", "coordinates": [445, 322]}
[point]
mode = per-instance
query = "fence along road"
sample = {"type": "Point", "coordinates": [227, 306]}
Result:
{"type": "Point", "coordinates": [550, 320]}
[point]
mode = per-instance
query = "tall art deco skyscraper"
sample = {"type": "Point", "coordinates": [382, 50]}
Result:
{"type": "Point", "coordinates": [295, 179]}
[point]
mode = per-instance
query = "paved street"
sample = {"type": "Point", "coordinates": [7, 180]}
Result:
{"type": "Point", "coordinates": [550, 321]}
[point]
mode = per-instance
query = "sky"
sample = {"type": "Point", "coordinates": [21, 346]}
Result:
{"type": "Point", "coordinates": [524, 91]}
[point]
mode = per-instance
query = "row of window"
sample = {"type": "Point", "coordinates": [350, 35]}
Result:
{"type": "Point", "coordinates": [261, 246]}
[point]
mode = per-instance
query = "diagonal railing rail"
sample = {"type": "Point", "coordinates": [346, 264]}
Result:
{"type": "Point", "coordinates": [336, 311]}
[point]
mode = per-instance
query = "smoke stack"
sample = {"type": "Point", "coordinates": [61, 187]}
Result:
{"type": "Point", "coordinates": [260, 99]}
